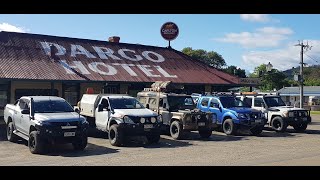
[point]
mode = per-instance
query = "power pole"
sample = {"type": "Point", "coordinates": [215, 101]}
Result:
{"type": "Point", "coordinates": [301, 80]}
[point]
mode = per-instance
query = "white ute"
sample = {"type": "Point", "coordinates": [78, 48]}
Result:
{"type": "Point", "coordinates": [279, 115]}
{"type": "Point", "coordinates": [45, 119]}
{"type": "Point", "coordinates": [120, 116]}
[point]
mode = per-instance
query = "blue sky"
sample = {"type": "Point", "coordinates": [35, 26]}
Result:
{"type": "Point", "coordinates": [245, 40]}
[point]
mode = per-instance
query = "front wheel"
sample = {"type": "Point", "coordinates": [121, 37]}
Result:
{"type": "Point", "coordinates": [176, 130]}
{"type": "Point", "coordinates": [205, 133]}
{"type": "Point", "coordinates": [115, 135]}
{"type": "Point", "coordinates": [229, 127]}
{"type": "Point", "coordinates": [278, 124]}
{"type": "Point", "coordinates": [300, 127]}
{"type": "Point", "coordinates": [80, 143]}
{"type": "Point", "coordinates": [36, 146]}
{"type": "Point", "coordinates": [10, 135]}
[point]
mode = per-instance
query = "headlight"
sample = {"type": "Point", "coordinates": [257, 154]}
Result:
{"type": "Point", "coordinates": [159, 118]}
{"type": "Point", "coordinates": [242, 116]}
{"type": "Point", "coordinates": [143, 120]}
{"type": "Point", "coordinates": [291, 114]}
{"type": "Point", "coordinates": [42, 123]}
{"type": "Point", "coordinates": [286, 113]}
{"type": "Point", "coordinates": [84, 122]}
{"type": "Point", "coordinates": [153, 119]}
{"type": "Point", "coordinates": [126, 119]}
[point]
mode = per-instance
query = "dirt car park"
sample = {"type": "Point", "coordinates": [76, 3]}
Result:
{"type": "Point", "coordinates": [270, 148]}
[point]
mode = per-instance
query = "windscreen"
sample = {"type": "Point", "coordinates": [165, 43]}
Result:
{"type": "Point", "coordinates": [274, 101]}
{"type": "Point", "coordinates": [50, 106]}
{"type": "Point", "coordinates": [125, 103]}
{"type": "Point", "coordinates": [181, 102]}
{"type": "Point", "coordinates": [229, 102]}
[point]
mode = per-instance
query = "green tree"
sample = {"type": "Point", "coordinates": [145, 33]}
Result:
{"type": "Point", "coordinates": [273, 79]}
{"type": "Point", "coordinates": [235, 71]}
{"type": "Point", "coordinates": [211, 58]}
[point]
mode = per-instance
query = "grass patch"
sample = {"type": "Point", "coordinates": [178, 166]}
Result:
{"type": "Point", "coordinates": [315, 112]}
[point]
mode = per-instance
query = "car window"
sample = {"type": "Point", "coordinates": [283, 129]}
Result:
{"type": "Point", "coordinates": [204, 102]}
{"type": "Point", "coordinates": [258, 102]}
{"type": "Point", "coordinates": [23, 104]}
{"type": "Point", "coordinates": [214, 103]}
{"type": "Point", "coordinates": [248, 100]}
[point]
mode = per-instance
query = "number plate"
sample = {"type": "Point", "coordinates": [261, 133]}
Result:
{"type": "Point", "coordinates": [201, 124]}
{"type": "Point", "coordinates": [68, 134]}
{"type": "Point", "coordinates": [148, 126]}
{"type": "Point", "coordinates": [258, 121]}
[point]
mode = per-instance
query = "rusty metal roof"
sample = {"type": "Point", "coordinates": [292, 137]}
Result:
{"type": "Point", "coordinates": [28, 56]}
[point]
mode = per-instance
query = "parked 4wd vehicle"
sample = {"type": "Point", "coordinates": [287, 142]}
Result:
{"type": "Point", "coordinates": [45, 119]}
{"type": "Point", "coordinates": [178, 112]}
{"type": "Point", "coordinates": [121, 116]}
{"type": "Point", "coordinates": [232, 113]}
{"type": "Point", "coordinates": [278, 115]}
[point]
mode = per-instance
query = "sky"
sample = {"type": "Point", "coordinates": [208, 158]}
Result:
{"type": "Point", "coordinates": [243, 40]}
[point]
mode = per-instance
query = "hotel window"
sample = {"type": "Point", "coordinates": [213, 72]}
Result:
{"type": "Point", "coordinates": [71, 93]}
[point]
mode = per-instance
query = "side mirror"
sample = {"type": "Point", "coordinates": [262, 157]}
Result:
{"type": "Point", "coordinates": [100, 107]}
{"type": "Point", "coordinates": [77, 110]}
{"type": "Point", "coordinates": [25, 111]}
{"type": "Point", "coordinates": [147, 106]}
{"type": "Point", "coordinates": [220, 108]}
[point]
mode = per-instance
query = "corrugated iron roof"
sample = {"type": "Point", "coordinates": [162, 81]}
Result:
{"type": "Point", "coordinates": [295, 91]}
{"type": "Point", "coordinates": [23, 56]}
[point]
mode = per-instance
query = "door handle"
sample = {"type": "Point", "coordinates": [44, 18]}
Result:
{"type": "Point", "coordinates": [21, 116]}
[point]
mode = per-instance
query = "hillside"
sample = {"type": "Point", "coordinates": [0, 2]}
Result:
{"type": "Point", "coordinates": [311, 74]}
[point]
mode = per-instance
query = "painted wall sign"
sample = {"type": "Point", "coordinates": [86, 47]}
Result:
{"type": "Point", "coordinates": [169, 31]}
{"type": "Point", "coordinates": [250, 80]}
{"type": "Point", "coordinates": [105, 68]}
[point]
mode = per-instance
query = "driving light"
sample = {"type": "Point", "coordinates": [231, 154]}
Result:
{"type": "Point", "coordinates": [143, 120]}
{"type": "Point", "coordinates": [153, 119]}
{"type": "Point", "coordinates": [291, 114]}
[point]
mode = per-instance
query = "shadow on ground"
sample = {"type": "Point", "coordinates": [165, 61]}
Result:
{"type": "Point", "coordinates": [3, 132]}
{"type": "Point", "coordinates": [66, 150]}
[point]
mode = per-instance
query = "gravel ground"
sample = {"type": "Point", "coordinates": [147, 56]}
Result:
{"type": "Point", "coordinates": [270, 148]}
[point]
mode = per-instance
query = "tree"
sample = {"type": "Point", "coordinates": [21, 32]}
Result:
{"type": "Point", "coordinates": [235, 71]}
{"type": "Point", "coordinates": [211, 58]}
{"type": "Point", "coordinates": [273, 79]}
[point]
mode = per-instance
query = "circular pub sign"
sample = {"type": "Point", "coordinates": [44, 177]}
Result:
{"type": "Point", "coordinates": [169, 31]}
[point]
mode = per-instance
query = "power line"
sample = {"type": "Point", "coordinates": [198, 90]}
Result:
{"type": "Point", "coordinates": [311, 58]}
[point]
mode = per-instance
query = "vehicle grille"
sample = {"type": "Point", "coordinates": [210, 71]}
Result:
{"type": "Point", "coordinates": [72, 123]}
{"type": "Point", "coordinates": [255, 116]}
{"type": "Point", "coordinates": [198, 117]}
{"type": "Point", "coordinates": [136, 119]}
{"type": "Point", "coordinates": [300, 113]}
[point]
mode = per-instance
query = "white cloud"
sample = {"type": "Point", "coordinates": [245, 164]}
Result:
{"type": "Point", "coordinates": [282, 59]}
{"type": "Point", "coordinates": [11, 28]}
{"type": "Point", "coordinates": [263, 37]}
{"type": "Point", "coordinates": [255, 17]}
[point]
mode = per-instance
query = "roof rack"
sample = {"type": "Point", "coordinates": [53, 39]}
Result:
{"type": "Point", "coordinates": [258, 94]}
{"type": "Point", "coordinates": [223, 93]}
